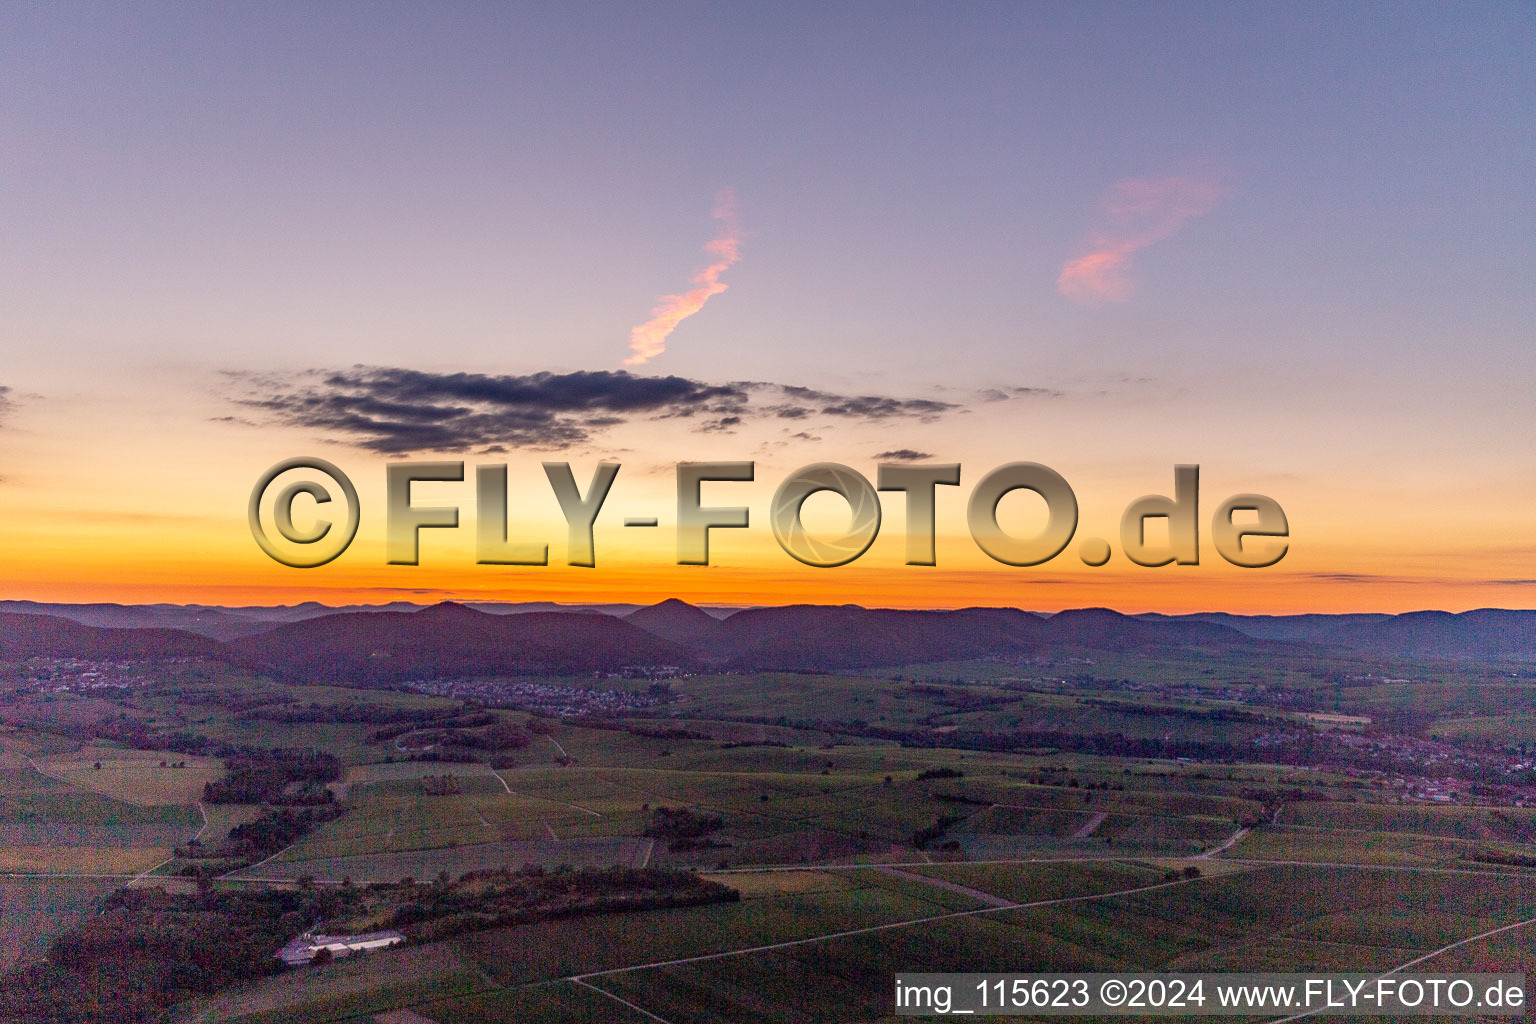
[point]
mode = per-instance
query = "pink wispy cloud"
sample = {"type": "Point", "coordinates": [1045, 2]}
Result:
{"type": "Point", "coordinates": [649, 340]}
{"type": "Point", "coordinates": [1136, 213]}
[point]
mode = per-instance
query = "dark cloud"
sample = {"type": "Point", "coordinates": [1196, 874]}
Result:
{"type": "Point", "coordinates": [903, 455]}
{"type": "Point", "coordinates": [396, 411]}
{"type": "Point", "coordinates": [874, 407]}
{"type": "Point", "coordinates": [789, 412]}
{"type": "Point", "coordinates": [1359, 577]}
{"type": "Point", "coordinates": [6, 404]}
{"type": "Point", "coordinates": [1005, 394]}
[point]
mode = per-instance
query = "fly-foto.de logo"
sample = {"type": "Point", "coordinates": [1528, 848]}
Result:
{"type": "Point", "coordinates": [1248, 530]}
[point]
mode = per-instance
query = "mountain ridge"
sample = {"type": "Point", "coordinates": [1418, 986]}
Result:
{"type": "Point", "coordinates": [536, 636]}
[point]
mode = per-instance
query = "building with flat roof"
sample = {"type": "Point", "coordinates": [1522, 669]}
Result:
{"type": "Point", "coordinates": [306, 947]}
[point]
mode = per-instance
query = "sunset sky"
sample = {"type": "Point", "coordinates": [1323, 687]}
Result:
{"type": "Point", "coordinates": [1293, 244]}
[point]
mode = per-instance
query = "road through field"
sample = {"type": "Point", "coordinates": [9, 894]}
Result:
{"type": "Point", "coordinates": [1246, 861]}
{"type": "Point", "coordinates": [562, 803]}
{"type": "Point", "coordinates": [47, 775]}
{"type": "Point", "coordinates": [147, 871]}
{"type": "Point", "coordinates": [944, 883]}
{"type": "Point", "coordinates": [604, 992]}
{"type": "Point", "coordinates": [1091, 825]}
{"type": "Point", "coordinates": [889, 926]}
{"type": "Point", "coordinates": [584, 979]}
{"type": "Point", "coordinates": [1420, 959]}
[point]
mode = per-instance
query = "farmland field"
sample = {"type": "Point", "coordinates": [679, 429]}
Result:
{"type": "Point", "coordinates": [80, 860]}
{"type": "Point", "coordinates": [457, 860]}
{"type": "Point", "coordinates": [134, 776]}
{"type": "Point", "coordinates": [88, 819]}
{"type": "Point", "coordinates": [853, 850]}
{"type": "Point", "coordinates": [836, 942]}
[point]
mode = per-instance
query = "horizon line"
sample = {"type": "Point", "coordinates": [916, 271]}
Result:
{"type": "Point", "coordinates": [745, 607]}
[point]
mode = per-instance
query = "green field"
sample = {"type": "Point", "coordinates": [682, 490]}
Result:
{"type": "Point", "coordinates": [456, 860]}
{"type": "Point", "coordinates": [135, 776]}
{"type": "Point", "coordinates": [837, 942]}
{"type": "Point", "coordinates": [871, 824]}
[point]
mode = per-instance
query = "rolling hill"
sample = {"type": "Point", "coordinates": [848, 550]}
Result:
{"type": "Point", "coordinates": [450, 640]}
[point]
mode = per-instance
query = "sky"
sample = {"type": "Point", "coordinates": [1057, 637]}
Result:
{"type": "Point", "coordinates": [1292, 244]}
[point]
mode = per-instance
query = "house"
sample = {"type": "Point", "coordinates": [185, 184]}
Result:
{"type": "Point", "coordinates": [306, 947]}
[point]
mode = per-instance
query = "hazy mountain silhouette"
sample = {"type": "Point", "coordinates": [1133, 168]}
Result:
{"type": "Point", "coordinates": [404, 641]}
{"type": "Point", "coordinates": [674, 620]}
{"type": "Point", "coordinates": [48, 636]}
{"type": "Point", "coordinates": [450, 640]}
{"type": "Point", "coordinates": [1487, 633]}
{"type": "Point", "coordinates": [828, 637]}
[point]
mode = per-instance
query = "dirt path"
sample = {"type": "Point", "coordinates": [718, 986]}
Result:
{"type": "Point", "coordinates": [1232, 840]}
{"type": "Point", "coordinates": [1091, 826]}
{"type": "Point", "coordinates": [562, 803]}
{"type": "Point", "coordinates": [944, 883]}
{"type": "Point", "coordinates": [604, 992]}
{"type": "Point", "coordinates": [264, 860]}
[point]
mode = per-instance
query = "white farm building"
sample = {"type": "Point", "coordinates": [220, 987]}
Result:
{"type": "Point", "coordinates": [306, 947]}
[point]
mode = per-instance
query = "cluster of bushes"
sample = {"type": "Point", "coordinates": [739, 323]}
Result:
{"type": "Point", "coordinates": [440, 785]}
{"type": "Point", "coordinates": [256, 840]}
{"type": "Point", "coordinates": [428, 718]}
{"type": "Point", "coordinates": [466, 739]}
{"type": "Point", "coordinates": [147, 950]}
{"type": "Point", "coordinates": [276, 776]}
{"type": "Point", "coordinates": [361, 712]}
{"type": "Point", "coordinates": [939, 773]}
{"type": "Point", "coordinates": [1504, 857]}
{"type": "Point", "coordinates": [449, 755]}
{"type": "Point", "coordinates": [1133, 708]}
{"type": "Point", "coordinates": [684, 829]}
{"type": "Point", "coordinates": [498, 898]}
{"type": "Point", "coordinates": [502, 734]}
{"type": "Point", "coordinates": [924, 837]}
{"type": "Point", "coordinates": [666, 732]}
